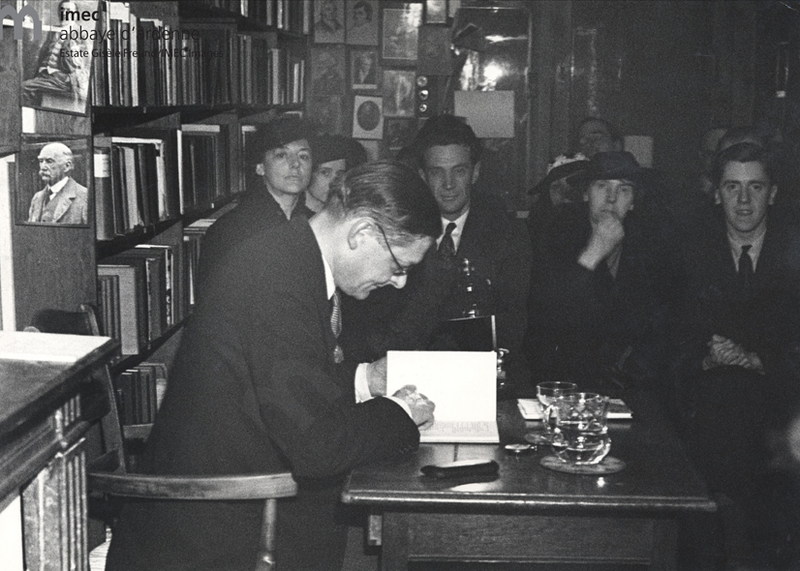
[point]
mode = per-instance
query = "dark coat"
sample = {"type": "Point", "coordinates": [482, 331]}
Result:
{"type": "Point", "coordinates": [601, 332]}
{"type": "Point", "coordinates": [256, 210]}
{"type": "Point", "coordinates": [766, 322]}
{"type": "Point", "coordinates": [254, 389]}
{"type": "Point", "coordinates": [500, 250]}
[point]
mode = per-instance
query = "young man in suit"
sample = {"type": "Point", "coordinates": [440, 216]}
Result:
{"type": "Point", "coordinates": [737, 370]}
{"type": "Point", "coordinates": [283, 164]}
{"type": "Point", "coordinates": [62, 200]}
{"type": "Point", "coordinates": [258, 385]}
{"type": "Point", "coordinates": [479, 230]}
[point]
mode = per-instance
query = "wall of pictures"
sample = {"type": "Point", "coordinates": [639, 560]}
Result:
{"type": "Point", "coordinates": [364, 62]}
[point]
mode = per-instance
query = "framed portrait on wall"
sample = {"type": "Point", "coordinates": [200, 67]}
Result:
{"type": "Point", "coordinates": [56, 64]}
{"type": "Point", "coordinates": [399, 133]}
{"type": "Point", "coordinates": [327, 113]}
{"type": "Point", "coordinates": [367, 117]}
{"type": "Point", "coordinates": [435, 12]}
{"type": "Point", "coordinates": [327, 70]}
{"type": "Point", "coordinates": [53, 182]}
{"type": "Point", "coordinates": [398, 93]}
{"type": "Point", "coordinates": [329, 21]}
{"type": "Point", "coordinates": [362, 22]}
{"type": "Point", "coordinates": [400, 33]}
{"type": "Point", "coordinates": [364, 68]}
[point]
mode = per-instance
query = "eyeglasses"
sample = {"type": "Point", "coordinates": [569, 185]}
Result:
{"type": "Point", "coordinates": [402, 271]}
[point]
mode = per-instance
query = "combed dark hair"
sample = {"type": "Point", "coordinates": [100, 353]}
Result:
{"type": "Point", "coordinates": [616, 136]}
{"type": "Point", "coordinates": [744, 153]}
{"type": "Point", "coordinates": [393, 195]}
{"type": "Point", "coordinates": [444, 130]}
{"type": "Point", "coordinates": [366, 6]}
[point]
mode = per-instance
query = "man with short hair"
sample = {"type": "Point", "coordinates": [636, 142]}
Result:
{"type": "Point", "coordinates": [258, 385]}
{"type": "Point", "coordinates": [283, 163]}
{"type": "Point", "coordinates": [738, 361]}
{"type": "Point", "coordinates": [479, 230]}
{"type": "Point", "coordinates": [330, 162]}
{"type": "Point", "coordinates": [62, 200]}
{"type": "Point", "coordinates": [596, 135]}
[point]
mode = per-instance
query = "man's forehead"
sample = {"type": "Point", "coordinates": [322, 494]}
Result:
{"type": "Point", "coordinates": [737, 170]}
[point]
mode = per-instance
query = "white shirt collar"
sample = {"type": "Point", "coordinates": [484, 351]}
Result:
{"type": "Point", "coordinates": [754, 252]}
{"type": "Point", "coordinates": [456, 235]}
{"type": "Point", "coordinates": [54, 188]}
{"type": "Point", "coordinates": [330, 285]}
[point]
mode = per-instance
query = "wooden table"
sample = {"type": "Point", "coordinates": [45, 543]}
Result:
{"type": "Point", "coordinates": [531, 513]}
{"type": "Point", "coordinates": [50, 392]}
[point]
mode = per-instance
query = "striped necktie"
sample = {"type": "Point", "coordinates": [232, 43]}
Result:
{"type": "Point", "coordinates": [336, 325]}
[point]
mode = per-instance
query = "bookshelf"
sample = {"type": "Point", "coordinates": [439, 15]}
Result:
{"type": "Point", "coordinates": [159, 147]}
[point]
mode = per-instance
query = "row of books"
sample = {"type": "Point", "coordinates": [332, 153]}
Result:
{"type": "Point", "coordinates": [142, 291]}
{"type": "Point", "coordinates": [161, 174]}
{"type": "Point", "coordinates": [152, 62]}
{"type": "Point", "coordinates": [140, 390]}
{"type": "Point", "coordinates": [290, 15]}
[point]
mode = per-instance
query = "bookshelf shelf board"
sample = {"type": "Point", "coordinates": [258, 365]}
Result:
{"type": "Point", "coordinates": [128, 361]}
{"type": "Point", "coordinates": [116, 245]}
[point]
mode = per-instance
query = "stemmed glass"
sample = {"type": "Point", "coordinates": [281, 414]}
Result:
{"type": "Point", "coordinates": [546, 394]}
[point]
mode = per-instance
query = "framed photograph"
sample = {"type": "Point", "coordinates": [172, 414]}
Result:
{"type": "Point", "coordinates": [327, 70]}
{"type": "Point", "coordinates": [56, 66]}
{"type": "Point", "coordinates": [401, 33]}
{"type": "Point", "coordinates": [362, 22]}
{"type": "Point", "coordinates": [329, 21]}
{"type": "Point", "coordinates": [364, 69]}
{"type": "Point", "coordinates": [326, 113]}
{"type": "Point", "coordinates": [53, 183]}
{"type": "Point", "coordinates": [435, 12]}
{"type": "Point", "coordinates": [400, 133]}
{"type": "Point", "coordinates": [367, 117]}
{"type": "Point", "coordinates": [434, 51]}
{"type": "Point", "coordinates": [398, 93]}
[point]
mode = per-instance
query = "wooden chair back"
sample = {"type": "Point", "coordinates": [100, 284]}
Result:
{"type": "Point", "coordinates": [109, 475]}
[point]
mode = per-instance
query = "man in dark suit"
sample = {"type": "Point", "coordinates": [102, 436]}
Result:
{"type": "Point", "coordinates": [479, 230]}
{"type": "Point", "coordinates": [62, 200]}
{"type": "Point", "coordinates": [737, 371]}
{"type": "Point", "coordinates": [282, 155]}
{"type": "Point", "coordinates": [258, 385]}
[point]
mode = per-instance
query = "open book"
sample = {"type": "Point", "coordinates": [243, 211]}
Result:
{"type": "Point", "coordinates": [462, 385]}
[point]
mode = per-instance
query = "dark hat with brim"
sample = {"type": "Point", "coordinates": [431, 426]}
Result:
{"type": "Point", "coordinates": [614, 165]}
{"type": "Point", "coordinates": [327, 148]}
{"type": "Point", "coordinates": [280, 132]}
{"type": "Point", "coordinates": [563, 166]}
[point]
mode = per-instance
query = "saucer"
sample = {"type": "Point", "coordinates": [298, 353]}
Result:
{"type": "Point", "coordinates": [609, 465]}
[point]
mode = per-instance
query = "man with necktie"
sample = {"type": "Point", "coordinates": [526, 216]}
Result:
{"type": "Point", "coordinates": [477, 228]}
{"type": "Point", "coordinates": [737, 369]}
{"type": "Point", "coordinates": [62, 200]}
{"type": "Point", "coordinates": [258, 385]}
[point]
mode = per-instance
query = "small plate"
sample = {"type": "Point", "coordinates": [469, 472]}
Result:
{"type": "Point", "coordinates": [609, 465]}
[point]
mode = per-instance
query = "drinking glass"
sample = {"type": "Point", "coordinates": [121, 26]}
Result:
{"type": "Point", "coordinates": [580, 436]}
{"type": "Point", "coordinates": [546, 393]}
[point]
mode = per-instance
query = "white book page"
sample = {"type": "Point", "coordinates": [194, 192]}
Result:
{"type": "Point", "coordinates": [462, 385]}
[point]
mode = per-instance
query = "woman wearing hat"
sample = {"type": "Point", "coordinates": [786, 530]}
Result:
{"type": "Point", "coordinates": [598, 300]}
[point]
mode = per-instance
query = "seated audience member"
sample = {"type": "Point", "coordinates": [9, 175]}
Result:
{"type": "Point", "coordinates": [330, 152]}
{"type": "Point", "coordinates": [709, 143]}
{"type": "Point", "coordinates": [258, 385]}
{"type": "Point", "coordinates": [738, 342]}
{"type": "Point", "coordinates": [476, 228]}
{"type": "Point", "coordinates": [599, 294]}
{"type": "Point", "coordinates": [282, 153]}
{"type": "Point", "coordinates": [596, 135]}
{"type": "Point", "coordinates": [554, 190]}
